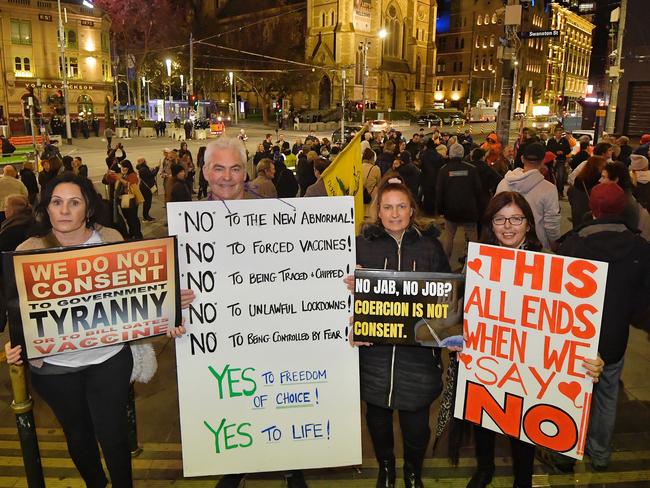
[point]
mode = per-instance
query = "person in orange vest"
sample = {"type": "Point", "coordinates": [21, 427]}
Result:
{"type": "Point", "coordinates": [493, 148]}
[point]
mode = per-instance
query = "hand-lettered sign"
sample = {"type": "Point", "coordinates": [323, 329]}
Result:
{"type": "Point", "coordinates": [73, 299]}
{"type": "Point", "coordinates": [530, 320]}
{"type": "Point", "coordinates": [401, 307]}
{"type": "Point", "coordinates": [266, 378]}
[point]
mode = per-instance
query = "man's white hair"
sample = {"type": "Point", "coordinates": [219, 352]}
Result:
{"type": "Point", "coordinates": [225, 143]}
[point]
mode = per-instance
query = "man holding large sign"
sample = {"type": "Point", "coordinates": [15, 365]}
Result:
{"type": "Point", "coordinates": [266, 350]}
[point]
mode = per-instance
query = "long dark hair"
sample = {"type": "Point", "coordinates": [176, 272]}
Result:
{"type": "Point", "coordinates": [128, 165]}
{"type": "Point", "coordinates": [91, 197]}
{"type": "Point", "coordinates": [499, 201]}
{"type": "Point", "coordinates": [200, 156]}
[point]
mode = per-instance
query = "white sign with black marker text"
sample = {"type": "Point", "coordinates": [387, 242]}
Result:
{"type": "Point", "coordinates": [266, 378]}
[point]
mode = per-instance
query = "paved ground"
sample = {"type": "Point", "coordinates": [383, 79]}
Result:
{"type": "Point", "coordinates": [160, 464]}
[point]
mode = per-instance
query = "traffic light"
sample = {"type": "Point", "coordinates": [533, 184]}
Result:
{"type": "Point", "coordinates": [279, 105]}
{"type": "Point", "coordinates": [194, 101]}
{"type": "Point", "coordinates": [522, 95]}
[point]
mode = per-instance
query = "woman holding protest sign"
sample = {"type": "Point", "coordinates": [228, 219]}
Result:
{"type": "Point", "coordinates": [129, 197]}
{"type": "Point", "coordinates": [402, 378]}
{"type": "Point", "coordinates": [87, 390]}
{"type": "Point", "coordinates": [509, 222]}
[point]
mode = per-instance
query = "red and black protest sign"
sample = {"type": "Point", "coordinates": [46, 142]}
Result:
{"type": "Point", "coordinates": [408, 308]}
{"type": "Point", "coordinates": [71, 299]}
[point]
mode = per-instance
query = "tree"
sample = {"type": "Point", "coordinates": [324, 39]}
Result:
{"type": "Point", "coordinates": [144, 30]}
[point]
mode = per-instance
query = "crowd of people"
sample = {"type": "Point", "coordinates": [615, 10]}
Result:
{"type": "Point", "coordinates": [504, 196]}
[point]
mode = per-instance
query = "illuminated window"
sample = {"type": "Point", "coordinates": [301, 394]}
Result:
{"type": "Point", "coordinates": [72, 65]}
{"type": "Point", "coordinates": [492, 39]}
{"type": "Point", "coordinates": [479, 20]}
{"type": "Point", "coordinates": [21, 31]}
{"type": "Point", "coordinates": [393, 42]}
{"type": "Point", "coordinates": [441, 67]}
{"type": "Point", "coordinates": [106, 70]}
{"type": "Point", "coordinates": [22, 64]}
{"type": "Point", "coordinates": [439, 85]}
{"type": "Point", "coordinates": [494, 18]}
{"type": "Point", "coordinates": [106, 42]}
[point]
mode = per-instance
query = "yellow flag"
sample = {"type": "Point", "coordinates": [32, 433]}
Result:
{"type": "Point", "coordinates": [343, 177]}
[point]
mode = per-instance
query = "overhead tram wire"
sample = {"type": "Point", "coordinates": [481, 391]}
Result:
{"type": "Point", "coordinates": [250, 53]}
{"type": "Point", "coordinates": [235, 29]}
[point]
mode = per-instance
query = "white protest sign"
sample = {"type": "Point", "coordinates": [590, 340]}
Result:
{"type": "Point", "coordinates": [266, 378]}
{"type": "Point", "coordinates": [530, 319]}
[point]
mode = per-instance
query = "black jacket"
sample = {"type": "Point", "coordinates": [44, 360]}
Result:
{"type": "Point", "coordinates": [628, 277]}
{"type": "Point", "coordinates": [430, 161]}
{"type": "Point", "coordinates": [285, 182]}
{"type": "Point", "coordinates": [147, 175]}
{"type": "Point", "coordinates": [458, 191]}
{"type": "Point", "coordinates": [490, 179]}
{"type": "Point", "coordinates": [410, 174]}
{"type": "Point", "coordinates": [556, 146]}
{"type": "Point", "coordinates": [385, 162]}
{"type": "Point", "coordinates": [400, 377]}
{"type": "Point", "coordinates": [28, 178]}
{"type": "Point", "coordinates": [304, 173]}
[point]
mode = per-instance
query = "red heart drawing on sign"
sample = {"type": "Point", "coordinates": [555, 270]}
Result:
{"type": "Point", "coordinates": [571, 390]}
{"type": "Point", "coordinates": [475, 265]}
{"type": "Point", "coordinates": [466, 359]}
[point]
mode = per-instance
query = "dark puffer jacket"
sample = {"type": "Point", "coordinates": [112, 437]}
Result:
{"type": "Point", "coordinates": [400, 377]}
{"type": "Point", "coordinates": [628, 277]}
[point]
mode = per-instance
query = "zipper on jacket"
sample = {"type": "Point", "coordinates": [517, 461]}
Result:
{"type": "Point", "coordinates": [392, 361]}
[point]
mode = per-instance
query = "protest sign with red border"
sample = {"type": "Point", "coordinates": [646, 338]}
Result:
{"type": "Point", "coordinates": [71, 299]}
{"type": "Point", "coordinates": [530, 320]}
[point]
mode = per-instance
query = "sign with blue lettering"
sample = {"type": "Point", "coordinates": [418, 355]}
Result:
{"type": "Point", "coordinates": [266, 378]}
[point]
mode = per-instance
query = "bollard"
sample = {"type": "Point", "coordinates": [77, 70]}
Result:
{"type": "Point", "coordinates": [22, 406]}
{"type": "Point", "coordinates": [133, 426]}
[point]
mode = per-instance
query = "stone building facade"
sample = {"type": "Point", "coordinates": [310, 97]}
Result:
{"type": "Point", "coordinates": [30, 60]}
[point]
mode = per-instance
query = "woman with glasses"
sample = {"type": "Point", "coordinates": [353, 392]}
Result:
{"type": "Point", "coordinates": [509, 222]}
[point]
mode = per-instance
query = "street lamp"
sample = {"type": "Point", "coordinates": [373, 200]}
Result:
{"type": "Point", "coordinates": [64, 72]}
{"type": "Point", "coordinates": [363, 47]}
{"type": "Point", "coordinates": [168, 62]}
{"type": "Point", "coordinates": [182, 87]}
{"type": "Point", "coordinates": [145, 83]}
{"type": "Point", "coordinates": [233, 93]}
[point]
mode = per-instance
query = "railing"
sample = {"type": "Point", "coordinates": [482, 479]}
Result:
{"type": "Point", "coordinates": [27, 3]}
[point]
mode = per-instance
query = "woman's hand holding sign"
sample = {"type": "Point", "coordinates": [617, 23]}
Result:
{"type": "Point", "coordinates": [594, 367]}
{"type": "Point", "coordinates": [13, 354]}
{"type": "Point", "coordinates": [187, 297]}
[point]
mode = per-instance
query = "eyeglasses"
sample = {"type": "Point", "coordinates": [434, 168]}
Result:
{"type": "Point", "coordinates": [515, 220]}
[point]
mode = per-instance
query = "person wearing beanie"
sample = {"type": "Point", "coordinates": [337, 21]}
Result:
{"type": "Point", "coordinates": [458, 192]}
{"type": "Point", "coordinates": [640, 179]}
{"type": "Point", "coordinates": [541, 195]}
{"type": "Point", "coordinates": [644, 147]}
{"type": "Point", "coordinates": [608, 239]}
{"type": "Point", "coordinates": [177, 188]}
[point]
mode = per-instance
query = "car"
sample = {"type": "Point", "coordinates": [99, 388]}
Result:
{"type": "Point", "coordinates": [543, 123]}
{"type": "Point", "coordinates": [430, 120]}
{"type": "Point", "coordinates": [350, 132]}
{"type": "Point", "coordinates": [379, 125]}
{"type": "Point", "coordinates": [456, 119]}
{"type": "Point", "coordinates": [578, 133]}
